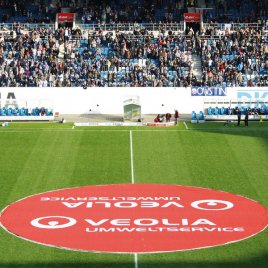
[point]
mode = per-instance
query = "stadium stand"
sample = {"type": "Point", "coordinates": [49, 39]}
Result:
{"type": "Point", "coordinates": [133, 44]}
{"type": "Point", "coordinates": [127, 11]}
{"type": "Point", "coordinates": [44, 57]}
{"type": "Point", "coordinates": [235, 59]}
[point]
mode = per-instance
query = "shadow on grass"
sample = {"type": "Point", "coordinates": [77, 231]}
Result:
{"type": "Point", "coordinates": [260, 261]}
{"type": "Point", "coordinates": [253, 130]}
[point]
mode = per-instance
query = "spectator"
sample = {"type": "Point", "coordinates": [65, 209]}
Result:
{"type": "Point", "coordinates": [176, 116]}
{"type": "Point", "coordinates": [64, 57]}
{"type": "Point", "coordinates": [168, 117]}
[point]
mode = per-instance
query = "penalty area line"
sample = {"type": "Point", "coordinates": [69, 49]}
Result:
{"type": "Point", "coordinates": [185, 125]}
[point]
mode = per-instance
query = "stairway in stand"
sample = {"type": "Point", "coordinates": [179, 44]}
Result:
{"type": "Point", "coordinates": [197, 69]}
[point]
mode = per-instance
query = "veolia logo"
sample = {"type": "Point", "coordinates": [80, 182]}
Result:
{"type": "Point", "coordinates": [53, 222]}
{"type": "Point", "coordinates": [212, 204]}
{"type": "Point", "coordinates": [136, 218]}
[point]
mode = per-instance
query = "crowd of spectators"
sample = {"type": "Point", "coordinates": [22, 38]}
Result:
{"type": "Point", "coordinates": [171, 10]}
{"type": "Point", "coordinates": [26, 11]}
{"type": "Point", "coordinates": [124, 13]}
{"type": "Point", "coordinates": [128, 11]}
{"type": "Point", "coordinates": [43, 57]}
{"type": "Point", "coordinates": [94, 11]}
{"type": "Point", "coordinates": [235, 11]}
{"type": "Point", "coordinates": [238, 58]}
{"type": "Point", "coordinates": [133, 11]}
{"type": "Point", "coordinates": [70, 57]}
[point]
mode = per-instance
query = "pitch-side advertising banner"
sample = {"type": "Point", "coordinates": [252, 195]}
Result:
{"type": "Point", "coordinates": [111, 100]}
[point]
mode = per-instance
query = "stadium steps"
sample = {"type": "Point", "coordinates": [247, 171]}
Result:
{"type": "Point", "coordinates": [197, 70]}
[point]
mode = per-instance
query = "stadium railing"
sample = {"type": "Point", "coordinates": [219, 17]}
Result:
{"type": "Point", "coordinates": [176, 27]}
{"type": "Point", "coordinates": [14, 26]}
{"type": "Point", "coordinates": [233, 26]}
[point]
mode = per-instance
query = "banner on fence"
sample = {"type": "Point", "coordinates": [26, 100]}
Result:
{"type": "Point", "coordinates": [192, 17]}
{"type": "Point", "coordinates": [65, 17]}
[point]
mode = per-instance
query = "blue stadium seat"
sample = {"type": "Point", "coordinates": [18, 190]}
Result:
{"type": "Point", "coordinates": [194, 116]}
{"type": "Point", "coordinates": [210, 112]}
{"type": "Point", "coordinates": [201, 116]}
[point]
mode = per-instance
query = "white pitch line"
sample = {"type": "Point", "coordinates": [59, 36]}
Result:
{"type": "Point", "coordinates": [219, 129]}
{"type": "Point", "coordinates": [185, 125]}
{"type": "Point", "coordinates": [132, 181]}
{"type": "Point", "coordinates": [136, 260]}
{"type": "Point", "coordinates": [131, 158]}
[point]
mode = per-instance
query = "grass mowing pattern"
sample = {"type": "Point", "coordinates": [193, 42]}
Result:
{"type": "Point", "coordinates": [41, 157]}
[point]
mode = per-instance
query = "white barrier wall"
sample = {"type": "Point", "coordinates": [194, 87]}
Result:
{"type": "Point", "coordinates": [110, 100]}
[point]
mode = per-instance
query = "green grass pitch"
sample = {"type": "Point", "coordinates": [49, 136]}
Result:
{"type": "Point", "coordinates": [39, 157]}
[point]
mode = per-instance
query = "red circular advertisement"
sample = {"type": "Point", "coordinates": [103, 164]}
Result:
{"type": "Point", "coordinates": [134, 218]}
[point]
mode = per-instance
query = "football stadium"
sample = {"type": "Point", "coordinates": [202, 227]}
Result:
{"type": "Point", "coordinates": [134, 133]}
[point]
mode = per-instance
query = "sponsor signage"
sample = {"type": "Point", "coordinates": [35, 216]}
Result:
{"type": "Point", "coordinates": [257, 94]}
{"type": "Point", "coordinates": [109, 124]}
{"type": "Point", "coordinates": [160, 124]}
{"type": "Point", "coordinates": [134, 218]}
{"type": "Point", "coordinates": [209, 91]}
{"type": "Point", "coordinates": [65, 17]}
{"type": "Point", "coordinates": [192, 17]}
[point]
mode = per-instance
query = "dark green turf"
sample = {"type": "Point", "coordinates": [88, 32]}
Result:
{"type": "Point", "coordinates": [37, 157]}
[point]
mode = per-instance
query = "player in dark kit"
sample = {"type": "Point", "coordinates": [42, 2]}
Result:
{"type": "Point", "coordinates": [238, 117]}
{"type": "Point", "coordinates": [246, 119]}
{"type": "Point", "coordinates": [168, 116]}
{"type": "Point", "coordinates": [176, 116]}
